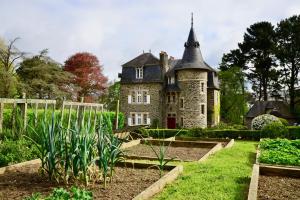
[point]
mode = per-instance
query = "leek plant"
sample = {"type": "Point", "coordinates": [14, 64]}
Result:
{"type": "Point", "coordinates": [70, 153]}
{"type": "Point", "coordinates": [161, 153]}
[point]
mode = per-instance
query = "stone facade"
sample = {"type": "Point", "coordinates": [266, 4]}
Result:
{"type": "Point", "coordinates": [193, 98]}
{"type": "Point", "coordinates": [175, 92]}
{"type": "Point", "coordinates": [154, 108]}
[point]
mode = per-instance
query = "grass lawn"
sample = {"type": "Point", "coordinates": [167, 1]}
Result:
{"type": "Point", "coordinates": [225, 175]}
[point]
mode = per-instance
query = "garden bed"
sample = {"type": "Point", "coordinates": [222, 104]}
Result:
{"type": "Point", "coordinates": [274, 182]}
{"type": "Point", "coordinates": [226, 143]}
{"type": "Point", "coordinates": [176, 150]}
{"type": "Point", "coordinates": [131, 180]}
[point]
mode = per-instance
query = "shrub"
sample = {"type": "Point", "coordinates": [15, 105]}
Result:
{"type": "Point", "coordinates": [12, 152]}
{"type": "Point", "coordinates": [283, 121]}
{"type": "Point", "coordinates": [262, 120]}
{"type": "Point", "coordinates": [294, 132]}
{"type": "Point", "coordinates": [274, 130]}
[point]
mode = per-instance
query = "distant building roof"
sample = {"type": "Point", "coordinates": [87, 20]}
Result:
{"type": "Point", "coordinates": [277, 108]}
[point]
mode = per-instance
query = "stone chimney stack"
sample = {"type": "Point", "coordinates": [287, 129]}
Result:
{"type": "Point", "coordinates": [163, 58]}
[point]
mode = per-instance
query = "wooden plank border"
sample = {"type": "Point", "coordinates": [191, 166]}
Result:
{"type": "Point", "coordinates": [252, 194]}
{"type": "Point", "coordinates": [160, 184]}
{"type": "Point", "coordinates": [17, 167]}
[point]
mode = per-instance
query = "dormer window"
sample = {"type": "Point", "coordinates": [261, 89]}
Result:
{"type": "Point", "coordinates": [171, 80]}
{"type": "Point", "coordinates": [139, 72]}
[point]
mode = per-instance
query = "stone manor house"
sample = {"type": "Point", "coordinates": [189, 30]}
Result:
{"type": "Point", "coordinates": [170, 92]}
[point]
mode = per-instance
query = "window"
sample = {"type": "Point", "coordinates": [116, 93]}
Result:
{"type": "Point", "coordinates": [138, 118]}
{"type": "Point", "coordinates": [139, 96]}
{"type": "Point", "coordinates": [133, 96]}
{"type": "Point", "coordinates": [181, 103]}
{"type": "Point", "coordinates": [174, 97]}
{"type": "Point", "coordinates": [139, 72]}
{"type": "Point", "coordinates": [145, 117]}
{"type": "Point", "coordinates": [169, 98]}
{"type": "Point", "coordinates": [133, 119]}
{"type": "Point", "coordinates": [145, 93]}
{"type": "Point", "coordinates": [202, 86]}
{"type": "Point", "coordinates": [202, 109]}
{"type": "Point", "coordinates": [181, 121]}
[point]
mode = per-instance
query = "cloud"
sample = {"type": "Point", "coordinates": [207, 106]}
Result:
{"type": "Point", "coordinates": [117, 31]}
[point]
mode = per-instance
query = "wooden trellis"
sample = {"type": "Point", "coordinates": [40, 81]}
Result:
{"type": "Point", "coordinates": [80, 107]}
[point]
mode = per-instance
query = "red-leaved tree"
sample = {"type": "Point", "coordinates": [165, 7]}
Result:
{"type": "Point", "coordinates": [88, 74]}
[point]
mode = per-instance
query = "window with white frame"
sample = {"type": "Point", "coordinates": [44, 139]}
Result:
{"type": "Point", "coordinates": [139, 97]}
{"type": "Point", "coordinates": [139, 72]}
{"type": "Point", "coordinates": [138, 118]}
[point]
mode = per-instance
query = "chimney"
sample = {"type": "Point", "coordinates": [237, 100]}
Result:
{"type": "Point", "coordinates": [163, 58]}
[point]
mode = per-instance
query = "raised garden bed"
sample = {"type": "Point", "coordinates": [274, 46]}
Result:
{"type": "Point", "coordinates": [176, 150]}
{"type": "Point", "coordinates": [226, 143]}
{"type": "Point", "coordinates": [274, 182]}
{"type": "Point", "coordinates": [131, 181]}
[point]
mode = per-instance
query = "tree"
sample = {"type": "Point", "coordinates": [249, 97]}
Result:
{"type": "Point", "coordinates": [233, 103]}
{"type": "Point", "coordinates": [9, 54]}
{"type": "Point", "coordinates": [111, 96]}
{"type": "Point", "coordinates": [288, 53]}
{"type": "Point", "coordinates": [87, 74]}
{"type": "Point", "coordinates": [258, 50]}
{"type": "Point", "coordinates": [44, 78]}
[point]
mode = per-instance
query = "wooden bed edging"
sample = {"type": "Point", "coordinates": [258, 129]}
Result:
{"type": "Point", "coordinates": [252, 194]}
{"type": "Point", "coordinates": [130, 144]}
{"type": "Point", "coordinates": [269, 170]}
{"type": "Point", "coordinates": [160, 184]}
{"type": "Point", "coordinates": [216, 148]}
{"type": "Point", "coordinates": [16, 167]}
{"type": "Point", "coordinates": [211, 140]}
{"type": "Point", "coordinates": [175, 143]}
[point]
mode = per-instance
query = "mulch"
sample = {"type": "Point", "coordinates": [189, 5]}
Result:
{"type": "Point", "coordinates": [126, 184]}
{"type": "Point", "coordinates": [181, 153]}
{"type": "Point", "coordinates": [278, 188]}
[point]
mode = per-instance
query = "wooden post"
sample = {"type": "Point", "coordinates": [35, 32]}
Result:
{"type": "Point", "coordinates": [117, 116]}
{"type": "Point", "coordinates": [36, 114]}
{"type": "Point", "coordinates": [62, 113]}
{"type": "Point", "coordinates": [69, 117]}
{"type": "Point", "coordinates": [1, 116]}
{"type": "Point", "coordinates": [24, 111]}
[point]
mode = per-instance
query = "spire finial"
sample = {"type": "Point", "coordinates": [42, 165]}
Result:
{"type": "Point", "coordinates": [192, 21]}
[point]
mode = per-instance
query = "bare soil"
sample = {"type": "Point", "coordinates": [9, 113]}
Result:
{"type": "Point", "coordinates": [126, 184]}
{"type": "Point", "coordinates": [278, 188]}
{"type": "Point", "coordinates": [181, 153]}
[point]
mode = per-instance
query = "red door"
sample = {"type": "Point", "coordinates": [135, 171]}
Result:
{"type": "Point", "coordinates": [171, 122]}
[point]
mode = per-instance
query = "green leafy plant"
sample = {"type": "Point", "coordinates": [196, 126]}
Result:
{"type": "Point", "coordinates": [283, 121]}
{"type": "Point", "coordinates": [280, 151]}
{"type": "Point", "coordinates": [62, 194]}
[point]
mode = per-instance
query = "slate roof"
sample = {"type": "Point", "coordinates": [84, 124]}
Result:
{"type": "Point", "coordinates": [142, 60]}
{"type": "Point", "coordinates": [271, 107]}
{"type": "Point", "coordinates": [192, 57]}
{"type": "Point", "coordinates": [151, 69]}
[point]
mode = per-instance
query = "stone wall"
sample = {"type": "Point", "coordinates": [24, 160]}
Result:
{"type": "Point", "coordinates": [190, 83]}
{"type": "Point", "coordinates": [155, 106]}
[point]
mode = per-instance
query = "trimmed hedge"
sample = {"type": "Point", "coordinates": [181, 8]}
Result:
{"type": "Point", "coordinates": [294, 133]}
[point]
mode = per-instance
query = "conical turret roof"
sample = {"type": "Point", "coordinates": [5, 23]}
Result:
{"type": "Point", "coordinates": [192, 57]}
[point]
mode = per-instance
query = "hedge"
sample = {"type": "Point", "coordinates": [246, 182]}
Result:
{"type": "Point", "coordinates": [294, 133]}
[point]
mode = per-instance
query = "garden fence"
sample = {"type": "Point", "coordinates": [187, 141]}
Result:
{"type": "Point", "coordinates": [80, 107]}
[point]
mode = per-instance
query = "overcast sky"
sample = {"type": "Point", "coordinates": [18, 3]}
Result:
{"type": "Point", "coordinates": [118, 31]}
